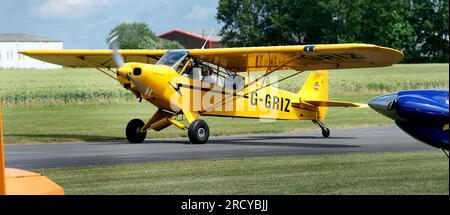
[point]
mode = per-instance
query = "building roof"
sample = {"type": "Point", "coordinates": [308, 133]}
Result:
{"type": "Point", "coordinates": [213, 38]}
{"type": "Point", "coordinates": [12, 37]}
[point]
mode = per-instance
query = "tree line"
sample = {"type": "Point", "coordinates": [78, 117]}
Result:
{"type": "Point", "coordinates": [419, 28]}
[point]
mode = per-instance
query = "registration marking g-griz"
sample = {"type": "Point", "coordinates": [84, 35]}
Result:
{"type": "Point", "coordinates": [271, 102]}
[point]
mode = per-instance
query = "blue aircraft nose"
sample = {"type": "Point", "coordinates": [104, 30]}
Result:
{"type": "Point", "coordinates": [384, 104]}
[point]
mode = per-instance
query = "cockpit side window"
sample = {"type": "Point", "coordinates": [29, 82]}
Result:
{"type": "Point", "coordinates": [212, 74]}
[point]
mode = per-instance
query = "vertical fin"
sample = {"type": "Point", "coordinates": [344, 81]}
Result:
{"type": "Point", "coordinates": [316, 88]}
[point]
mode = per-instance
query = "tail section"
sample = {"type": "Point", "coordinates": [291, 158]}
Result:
{"type": "Point", "coordinates": [314, 95]}
{"type": "Point", "coordinates": [316, 89]}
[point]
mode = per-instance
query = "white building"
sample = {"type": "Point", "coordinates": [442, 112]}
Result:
{"type": "Point", "coordinates": [10, 44]}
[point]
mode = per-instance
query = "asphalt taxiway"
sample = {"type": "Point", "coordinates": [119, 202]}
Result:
{"type": "Point", "coordinates": [356, 140]}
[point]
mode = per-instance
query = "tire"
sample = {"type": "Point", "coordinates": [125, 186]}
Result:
{"type": "Point", "coordinates": [132, 131]}
{"type": "Point", "coordinates": [198, 132]}
{"type": "Point", "coordinates": [326, 132]}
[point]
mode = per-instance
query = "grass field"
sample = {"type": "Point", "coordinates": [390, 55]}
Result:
{"type": "Point", "coordinates": [423, 172]}
{"type": "Point", "coordinates": [85, 105]}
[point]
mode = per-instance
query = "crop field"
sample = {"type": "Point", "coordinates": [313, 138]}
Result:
{"type": "Point", "coordinates": [87, 86]}
{"type": "Point", "coordinates": [84, 105]}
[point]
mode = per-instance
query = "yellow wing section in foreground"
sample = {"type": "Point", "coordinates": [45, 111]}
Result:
{"type": "Point", "coordinates": [93, 58]}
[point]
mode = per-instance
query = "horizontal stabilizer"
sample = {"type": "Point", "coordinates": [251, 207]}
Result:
{"type": "Point", "coordinates": [321, 103]}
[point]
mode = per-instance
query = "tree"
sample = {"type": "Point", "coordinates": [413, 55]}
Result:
{"type": "Point", "coordinates": [430, 22]}
{"type": "Point", "coordinates": [130, 35]}
{"type": "Point", "coordinates": [381, 22]}
{"type": "Point", "coordinates": [419, 28]}
{"type": "Point", "coordinates": [274, 22]}
{"type": "Point", "coordinates": [158, 43]}
{"type": "Point", "coordinates": [138, 36]}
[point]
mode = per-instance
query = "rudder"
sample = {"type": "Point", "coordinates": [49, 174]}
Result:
{"type": "Point", "coordinates": [316, 88]}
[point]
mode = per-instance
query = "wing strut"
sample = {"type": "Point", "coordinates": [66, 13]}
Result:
{"type": "Point", "coordinates": [98, 68]}
{"type": "Point", "coordinates": [268, 72]}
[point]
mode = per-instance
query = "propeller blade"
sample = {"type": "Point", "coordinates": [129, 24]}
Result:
{"type": "Point", "coordinates": [144, 89]}
{"type": "Point", "coordinates": [117, 57]}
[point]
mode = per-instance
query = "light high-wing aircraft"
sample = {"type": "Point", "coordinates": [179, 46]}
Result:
{"type": "Point", "coordinates": [217, 82]}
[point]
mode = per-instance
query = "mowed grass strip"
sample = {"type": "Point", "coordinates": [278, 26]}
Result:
{"type": "Point", "coordinates": [423, 172]}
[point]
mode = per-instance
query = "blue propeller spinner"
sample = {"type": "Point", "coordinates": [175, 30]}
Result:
{"type": "Point", "coordinates": [423, 114]}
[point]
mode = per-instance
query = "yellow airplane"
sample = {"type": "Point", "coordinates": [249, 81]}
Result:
{"type": "Point", "coordinates": [218, 82]}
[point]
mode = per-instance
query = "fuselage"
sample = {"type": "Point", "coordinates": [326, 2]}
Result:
{"type": "Point", "coordinates": [172, 91]}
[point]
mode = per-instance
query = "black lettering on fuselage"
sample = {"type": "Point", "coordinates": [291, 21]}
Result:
{"type": "Point", "coordinates": [267, 103]}
{"type": "Point", "coordinates": [271, 102]}
{"type": "Point", "coordinates": [253, 98]}
{"type": "Point", "coordinates": [275, 102]}
{"type": "Point", "coordinates": [286, 109]}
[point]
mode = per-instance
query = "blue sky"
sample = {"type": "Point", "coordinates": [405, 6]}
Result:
{"type": "Point", "coordinates": [84, 24]}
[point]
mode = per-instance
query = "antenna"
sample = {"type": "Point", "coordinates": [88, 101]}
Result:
{"type": "Point", "coordinates": [203, 47]}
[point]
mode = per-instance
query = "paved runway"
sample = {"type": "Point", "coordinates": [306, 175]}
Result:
{"type": "Point", "coordinates": [378, 139]}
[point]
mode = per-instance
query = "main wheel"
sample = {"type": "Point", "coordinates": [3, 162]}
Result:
{"type": "Point", "coordinates": [198, 132]}
{"type": "Point", "coordinates": [133, 131]}
{"type": "Point", "coordinates": [326, 132]}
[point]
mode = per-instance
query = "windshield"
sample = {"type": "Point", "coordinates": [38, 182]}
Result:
{"type": "Point", "coordinates": [173, 58]}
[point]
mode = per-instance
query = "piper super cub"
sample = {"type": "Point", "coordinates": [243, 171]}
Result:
{"type": "Point", "coordinates": [217, 82]}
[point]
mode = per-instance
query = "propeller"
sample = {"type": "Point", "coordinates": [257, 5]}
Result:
{"type": "Point", "coordinates": [117, 57]}
{"type": "Point", "coordinates": [123, 68]}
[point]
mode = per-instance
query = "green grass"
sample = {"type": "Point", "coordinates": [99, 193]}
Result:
{"type": "Point", "coordinates": [423, 172]}
{"type": "Point", "coordinates": [85, 105]}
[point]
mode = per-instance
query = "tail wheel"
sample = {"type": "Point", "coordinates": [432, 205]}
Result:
{"type": "Point", "coordinates": [133, 131]}
{"type": "Point", "coordinates": [198, 132]}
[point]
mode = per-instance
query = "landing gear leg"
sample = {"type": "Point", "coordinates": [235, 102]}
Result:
{"type": "Point", "coordinates": [325, 130]}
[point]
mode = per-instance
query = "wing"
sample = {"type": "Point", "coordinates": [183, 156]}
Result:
{"type": "Point", "coordinates": [307, 57]}
{"type": "Point", "coordinates": [93, 58]}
